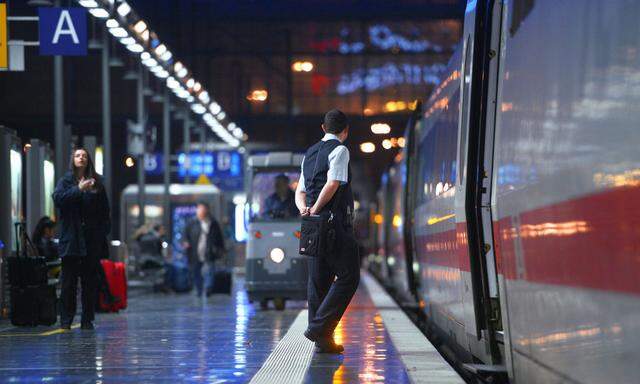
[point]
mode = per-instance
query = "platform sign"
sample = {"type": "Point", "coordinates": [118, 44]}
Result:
{"type": "Point", "coordinates": [4, 62]}
{"type": "Point", "coordinates": [63, 31]}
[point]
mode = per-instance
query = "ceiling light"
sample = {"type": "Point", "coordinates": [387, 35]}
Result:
{"type": "Point", "coordinates": [215, 108]}
{"type": "Point", "coordinates": [258, 95]}
{"type": "Point", "coordinates": [112, 23]}
{"type": "Point", "coordinates": [204, 97]}
{"type": "Point", "coordinates": [166, 56]}
{"type": "Point", "coordinates": [145, 56]}
{"type": "Point", "coordinates": [182, 73]}
{"type": "Point", "coordinates": [145, 35]}
{"type": "Point", "coordinates": [128, 40]}
{"type": "Point", "coordinates": [88, 3]}
{"type": "Point", "coordinates": [237, 133]}
{"type": "Point", "coordinates": [220, 116]}
{"type": "Point", "coordinates": [386, 144]}
{"type": "Point", "coordinates": [140, 26]}
{"type": "Point", "coordinates": [151, 63]}
{"type": "Point", "coordinates": [100, 13]}
{"type": "Point", "coordinates": [190, 83]}
{"type": "Point", "coordinates": [124, 9]}
{"type": "Point", "coordinates": [368, 147]}
{"type": "Point", "coordinates": [118, 32]}
{"type": "Point", "coordinates": [160, 49]}
{"type": "Point", "coordinates": [135, 48]}
{"type": "Point", "coordinates": [380, 128]}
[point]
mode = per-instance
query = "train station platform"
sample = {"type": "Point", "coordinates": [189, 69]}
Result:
{"type": "Point", "coordinates": [184, 339]}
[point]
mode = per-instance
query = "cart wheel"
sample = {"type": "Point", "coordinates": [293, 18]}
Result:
{"type": "Point", "coordinates": [264, 304]}
{"type": "Point", "coordinates": [279, 303]}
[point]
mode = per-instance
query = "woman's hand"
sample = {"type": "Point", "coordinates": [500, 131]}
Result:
{"type": "Point", "coordinates": [304, 212]}
{"type": "Point", "coordinates": [314, 210]}
{"type": "Point", "coordinates": [86, 184]}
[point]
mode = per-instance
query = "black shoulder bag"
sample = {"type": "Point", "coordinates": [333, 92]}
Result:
{"type": "Point", "coordinates": [318, 232]}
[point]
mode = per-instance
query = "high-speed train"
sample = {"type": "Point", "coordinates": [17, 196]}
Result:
{"type": "Point", "coordinates": [512, 216]}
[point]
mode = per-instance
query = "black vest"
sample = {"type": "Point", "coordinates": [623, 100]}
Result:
{"type": "Point", "coordinates": [315, 168]}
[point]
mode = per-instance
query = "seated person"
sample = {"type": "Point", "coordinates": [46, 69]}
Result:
{"type": "Point", "coordinates": [281, 204]}
{"type": "Point", "coordinates": [43, 239]}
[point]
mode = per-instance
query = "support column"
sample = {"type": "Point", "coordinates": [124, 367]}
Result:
{"type": "Point", "coordinates": [166, 149]}
{"type": "Point", "coordinates": [140, 161]}
{"type": "Point", "coordinates": [106, 119]}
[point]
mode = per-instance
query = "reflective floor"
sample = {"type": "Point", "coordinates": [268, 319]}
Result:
{"type": "Point", "coordinates": [179, 338]}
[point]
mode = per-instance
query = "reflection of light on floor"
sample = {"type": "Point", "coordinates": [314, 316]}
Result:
{"type": "Point", "coordinates": [628, 178]}
{"type": "Point", "coordinates": [240, 348]}
{"type": "Point", "coordinates": [338, 376]}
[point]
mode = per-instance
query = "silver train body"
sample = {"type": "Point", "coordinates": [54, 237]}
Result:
{"type": "Point", "coordinates": [521, 195]}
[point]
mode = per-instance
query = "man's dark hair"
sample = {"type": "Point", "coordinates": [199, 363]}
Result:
{"type": "Point", "coordinates": [335, 121]}
{"type": "Point", "coordinates": [282, 177]}
{"type": "Point", "coordinates": [204, 203]}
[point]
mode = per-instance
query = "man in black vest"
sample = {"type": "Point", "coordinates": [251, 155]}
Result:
{"type": "Point", "coordinates": [325, 188]}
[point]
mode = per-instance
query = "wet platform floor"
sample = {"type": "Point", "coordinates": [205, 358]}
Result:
{"type": "Point", "coordinates": [184, 339]}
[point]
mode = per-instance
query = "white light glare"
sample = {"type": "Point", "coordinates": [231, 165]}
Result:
{"type": "Point", "coordinates": [135, 48]}
{"type": "Point", "coordinates": [166, 56]}
{"type": "Point", "coordinates": [124, 9]}
{"type": "Point", "coordinates": [182, 73]}
{"type": "Point", "coordinates": [100, 13]}
{"type": "Point", "coordinates": [238, 133]}
{"type": "Point", "coordinates": [128, 40]}
{"type": "Point", "coordinates": [112, 23]}
{"type": "Point", "coordinates": [140, 26]}
{"type": "Point", "coordinates": [160, 49]}
{"type": "Point", "coordinates": [145, 56]}
{"type": "Point", "coordinates": [151, 63]}
{"type": "Point", "coordinates": [190, 83]}
{"type": "Point", "coordinates": [220, 116]}
{"type": "Point", "coordinates": [198, 108]}
{"type": "Point", "coordinates": [162, 74]}
{"type": "Point", "coordinates": [88, 3]}
{"type": "Point", "coordinates": [118, 32]}
{"type": "Point", "coordinates": [203, 96]}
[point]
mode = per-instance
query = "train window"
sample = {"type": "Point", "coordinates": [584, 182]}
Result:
{"type": "Point", "coordinates": [465, 85]}
{"type": "Point", "coordinates": [272, 195]}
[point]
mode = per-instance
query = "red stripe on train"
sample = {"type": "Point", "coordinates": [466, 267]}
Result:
{"type": "Point", "coordinates": [590, 242]}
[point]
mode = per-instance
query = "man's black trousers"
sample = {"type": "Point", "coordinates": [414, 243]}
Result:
{"type": "Point", "coordinates": [333, 280]}
{"type": "Point", "coordinates": [85, 269]}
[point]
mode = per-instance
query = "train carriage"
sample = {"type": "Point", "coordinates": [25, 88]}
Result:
{"type": "Point", "coordinates": [523, 193]}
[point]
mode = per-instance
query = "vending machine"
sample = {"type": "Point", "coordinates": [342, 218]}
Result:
{"type": "Point", "coordinates": [11, 194]}
{"type": "Point", "coordinates": [40, 179]}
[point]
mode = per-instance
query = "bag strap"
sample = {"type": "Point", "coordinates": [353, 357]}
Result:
{"type": "Point", "coordinates": [315, 167]}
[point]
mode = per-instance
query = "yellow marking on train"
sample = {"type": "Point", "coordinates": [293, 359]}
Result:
{"type": "Point", "coordinates": [47, 333]}
{"type": "Point", "coordinates": [436, 220]}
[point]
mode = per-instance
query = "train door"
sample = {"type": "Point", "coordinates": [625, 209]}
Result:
{"type": "Point", "coordinates": [482, 28]}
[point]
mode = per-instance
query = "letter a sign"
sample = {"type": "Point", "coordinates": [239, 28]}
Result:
{"type": "Point", "coordinates": [63, 31]}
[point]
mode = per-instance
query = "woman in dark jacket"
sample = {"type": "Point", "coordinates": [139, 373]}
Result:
{"type": "Point", "coordinates": [84, 227]}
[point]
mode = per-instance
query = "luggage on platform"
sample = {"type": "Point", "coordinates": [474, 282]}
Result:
{"type": "Point", "coordinates": [117, 282]}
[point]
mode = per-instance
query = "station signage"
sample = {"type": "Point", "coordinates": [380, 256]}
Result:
{"type": "Point", "coordinates": [224, 168]}
{"type": "Point", "coordinates": [63, 31]}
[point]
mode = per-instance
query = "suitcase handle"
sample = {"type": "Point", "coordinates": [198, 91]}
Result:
{"type": "Point", "coordinates": [23, 237]}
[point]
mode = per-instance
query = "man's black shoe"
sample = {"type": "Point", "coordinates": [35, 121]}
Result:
{"type": "Point", "coordinates": [328, 346]}
{"type": "Point", "coordinates": [310, 335]}
{"type": "Point", "coordinates": [87, 325]}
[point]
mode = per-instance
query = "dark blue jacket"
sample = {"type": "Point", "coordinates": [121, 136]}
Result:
{"type": "Point", "coordinates": [83, 231]}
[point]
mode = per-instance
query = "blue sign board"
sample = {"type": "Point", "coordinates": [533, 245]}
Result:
{"type": "Point", "coordinates": [63, 31]}
{"type": "Point", "coordinates": [223, 168]}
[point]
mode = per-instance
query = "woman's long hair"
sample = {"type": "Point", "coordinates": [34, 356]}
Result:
{"type": "Point", "coordinates": [44, 223]}
{"type": "Point", "coordinates": [90, 170]}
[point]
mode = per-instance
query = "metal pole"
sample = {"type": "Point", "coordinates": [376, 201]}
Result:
{"type": "Point", "coordinates": [203, 142]}
{"type": "Point", "coordinates": [58, 113]}
{"type": "Point", "coordinates": [106, 116]}
{"type": "Point", "coordinates": [140, 98]}
{"type": "Point", "coordinates": [186, 141]}
{"type": "Point", "coordinates": [166, 121]}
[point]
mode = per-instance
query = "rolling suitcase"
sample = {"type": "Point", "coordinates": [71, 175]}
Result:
{"type": "Point", "coordinates": [221, 282]}
{"type": "Point", "coordinates": [33, 300]}
{"type": "Point", "coordinates": [117, 281]}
